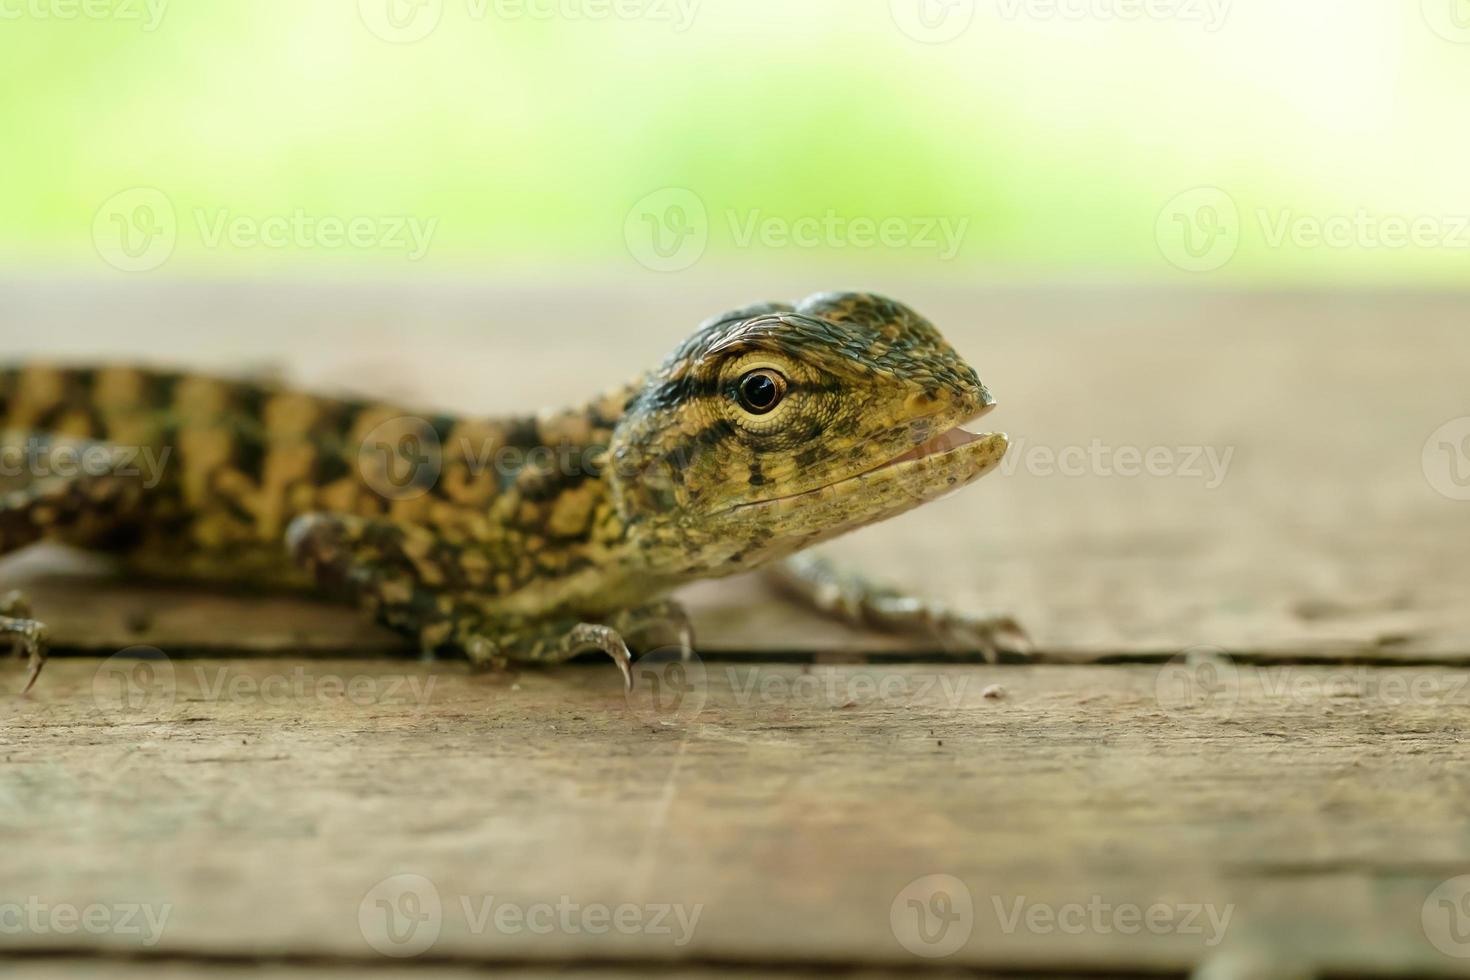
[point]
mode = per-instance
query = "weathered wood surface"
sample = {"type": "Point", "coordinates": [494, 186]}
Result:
{"type": "Point", "coordinates": [1312, 811]}
{"type": "Point", "coordinates": [1321, 529]}
{"type": "Point", "coordinates": [261, 798]}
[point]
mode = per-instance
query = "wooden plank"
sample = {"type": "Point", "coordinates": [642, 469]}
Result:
{"type": "Point", "coordinates": [80, 968]}
{"type": "Point", "coordinates": [1333, 532]}
{"type": "Point", "coordinates": [263, 803]}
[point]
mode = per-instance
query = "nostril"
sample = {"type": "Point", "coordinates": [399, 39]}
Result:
{"type": "Point", "coordinates": [921, 402]}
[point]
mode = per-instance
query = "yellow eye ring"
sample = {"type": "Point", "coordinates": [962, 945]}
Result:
{"type": "Point", "coordinates": [760, 391]}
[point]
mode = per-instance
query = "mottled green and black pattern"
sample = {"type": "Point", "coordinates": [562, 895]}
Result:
{"type": "Point", "coordinates": [524, 538]}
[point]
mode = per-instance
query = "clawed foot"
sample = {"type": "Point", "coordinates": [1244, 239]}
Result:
{"type": "Point", "coordinates": [554, 645]}
{"type": "Point", "coordinates": [853, 599]}
{"type": "Point", "coordinates": [594, 636]}
{"type": "Point", "coordinates": [993, 635]}
{"type": "Point", "coordinates": [29, 636]}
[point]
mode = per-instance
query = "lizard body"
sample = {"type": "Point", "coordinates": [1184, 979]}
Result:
{"type": "Point", "coordinates": [524, 538]}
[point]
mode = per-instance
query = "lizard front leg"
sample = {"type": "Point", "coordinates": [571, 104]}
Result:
{"type": "Point", "coordinates": [850, 597]}
{"type": "Point", "coordinates": [498, 643]}
{"type": "Point", "coordinates": [391, 570]}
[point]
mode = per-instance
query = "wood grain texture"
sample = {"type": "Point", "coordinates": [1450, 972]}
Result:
{"type": "Point", "coordinates": [1313, 809]}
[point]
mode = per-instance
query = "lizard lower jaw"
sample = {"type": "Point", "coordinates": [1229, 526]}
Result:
{"type": "Point", "coordinates": [929, 470]}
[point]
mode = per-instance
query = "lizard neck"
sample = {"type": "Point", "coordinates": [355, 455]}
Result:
{"type": "Point", "coordinates": [550, 532]}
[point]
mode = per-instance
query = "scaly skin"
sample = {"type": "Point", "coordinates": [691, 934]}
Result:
{"type": "Point", "coordinates": [523, 539]}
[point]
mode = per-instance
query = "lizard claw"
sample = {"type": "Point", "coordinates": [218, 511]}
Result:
{"type": "Point", "coordinates": [626, 667]}
{"type": "Point", "coordinates": [37, 660]}
{"type": "Point", "coordinates": [992, 634]}
{"type": "Point", "coordinates": [594, 636]}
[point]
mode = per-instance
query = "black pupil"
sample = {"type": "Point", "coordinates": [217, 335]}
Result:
{"type": "Point", "coordinates": [758, 392]}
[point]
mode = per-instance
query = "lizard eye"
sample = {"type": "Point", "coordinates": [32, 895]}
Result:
{"type": "Point", "coordinates": [760, 391]}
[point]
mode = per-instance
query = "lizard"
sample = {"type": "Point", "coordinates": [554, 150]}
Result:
{"type": "Point", "coordinates": [519, 539]}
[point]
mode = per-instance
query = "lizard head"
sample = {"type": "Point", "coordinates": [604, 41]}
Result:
{"type": "Point", "coordinates": [773, 428]}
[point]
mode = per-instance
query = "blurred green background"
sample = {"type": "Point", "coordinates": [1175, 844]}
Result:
{"type": "Point", "coordinates": [1174, 140]}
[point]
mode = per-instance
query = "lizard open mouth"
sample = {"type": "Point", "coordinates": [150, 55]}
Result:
{"type": "Point", "coordinates": [946, 441]}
